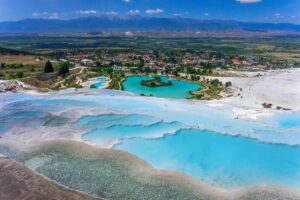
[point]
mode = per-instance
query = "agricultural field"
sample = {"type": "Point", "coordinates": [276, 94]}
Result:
{"type": "Point", "coordinates": [19, 66]}
{"type": "Point", "coordinates": [267, 46]}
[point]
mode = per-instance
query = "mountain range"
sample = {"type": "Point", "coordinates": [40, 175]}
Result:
{"type": "Point", "coordinates": [137, 23]}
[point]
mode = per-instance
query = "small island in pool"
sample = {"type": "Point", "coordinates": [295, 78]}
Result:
{"type": "Point", "coordinates": [156, 82]}
{"type": "Point", "coordinates": [177, 89]}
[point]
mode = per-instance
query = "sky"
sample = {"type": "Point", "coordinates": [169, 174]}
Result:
{"type": "Point", "coordinates": [242, 10]}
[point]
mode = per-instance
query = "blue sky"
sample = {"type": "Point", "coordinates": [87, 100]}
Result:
{"type": "Point", "coordinates": [242, 10]}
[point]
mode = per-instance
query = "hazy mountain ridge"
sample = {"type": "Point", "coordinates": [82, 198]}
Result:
{"type": "Point", "coordinates": [137, 23]}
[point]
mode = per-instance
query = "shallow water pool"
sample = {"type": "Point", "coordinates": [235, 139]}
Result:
{"type": "Point", "coordinates": [178, 89]}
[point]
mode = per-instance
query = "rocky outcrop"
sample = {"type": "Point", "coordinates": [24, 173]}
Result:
{"type": "Point", "coordinates": [13, 86]}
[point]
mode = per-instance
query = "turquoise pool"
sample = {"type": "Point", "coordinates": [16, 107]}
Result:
{"type": "Point", "coordinates": [221, 160]}
{"type": "Point", "coordinates": [102, 80]}
{"type": "Point", "coordinates": [189, 137]}
{"type": "Point", "coordinates": [179, 89]}
{"type": "Point", "coordinates": [98, 84]}
{"type": "Point", "coordinates": [226, 161]}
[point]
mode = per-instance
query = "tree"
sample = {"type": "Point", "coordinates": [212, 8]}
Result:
{"type": "Point", "coordinates": [228, 84]}
{"type": "Point", "coordinates": [109, 70]}
{"type": "Point", "coordinates": [123, 75]}
{"type": "Point", "coordinates": [157, 79]}
{"type": "Point", "coordinates": [176, 71]}
{"type": "Point", "coordinates": [215, 82]}
{"type": "Point", "coordinates": [48, 67]}
{"type": "Point", "coordinates": [19, 75]}
{"type": "Point", "coordinates": [152, 84]}
{"type": "Point", "coordinates": [147, 70]}
{"type": "Point", "coordinates": [156, 54]}
{"type": "Point", "coordinates": [167, 70]}
{"type": "Point", "coordinates": [142, 63]}
{"type": "Point", "coordinates": [3, 65]}
{"type": "Point", "coordinates": [63, 68]}
{"type": "Point", "coordinates": [210, 55]}
{"type": "Point", "coordinates": [219, 55]}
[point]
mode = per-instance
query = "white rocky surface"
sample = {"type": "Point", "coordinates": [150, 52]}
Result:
{"type": "Point", "coordinates": [13, 85]}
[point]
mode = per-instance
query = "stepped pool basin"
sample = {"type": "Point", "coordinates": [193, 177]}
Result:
{"type": "Point", "coordinates": [206, 142]}
{"type": "Point", "coordinates": [290, 120]}
{"type": "Point", "coordinates": [178, 89]}
{"type": "Point", "coordinates": [221, 160]}
{"type": "Point", "coordinates": [99, 83]}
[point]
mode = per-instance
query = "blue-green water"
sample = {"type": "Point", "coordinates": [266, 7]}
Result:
{"type": "Point", "coordinates": [178, 89]}
{"type": "Point", "coordinates": [101, 82]}
{"type": "Point", "coordinates": [184, 136]}
{"type": "Point", "coordinates": [221, 160]}
{"type": "Point", "coordinates": [290, 120]}
{"type": "Point", "coordinates": [98, 84]}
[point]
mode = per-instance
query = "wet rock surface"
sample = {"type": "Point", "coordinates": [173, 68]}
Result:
{"type": "Point", "coordinates": [17, 182]}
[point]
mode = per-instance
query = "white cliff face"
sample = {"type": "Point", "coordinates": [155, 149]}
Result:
{"type": "Point", "coordinates": [13, 85]}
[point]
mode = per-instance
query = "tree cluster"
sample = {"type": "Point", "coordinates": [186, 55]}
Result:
{"type": "Point", "coordinates": [48, 67]}
{"type": "Point", "coordinates": [63, 68]}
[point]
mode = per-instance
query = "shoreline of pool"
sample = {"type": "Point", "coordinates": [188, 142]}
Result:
{"type": "Point", "coordinates": [146, 174]}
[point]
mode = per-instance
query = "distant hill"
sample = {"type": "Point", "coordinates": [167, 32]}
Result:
{"type": "Point", "coordinates": [137, 23]}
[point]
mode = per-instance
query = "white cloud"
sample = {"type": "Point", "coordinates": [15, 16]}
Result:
{"type": "Point", "coordinates": [278, 15]}
{"type": "Point", "coordinates": [87, 12]}
{"type": "Point", "coordinates": [46, 15]}
{"type": "Point", "coordinates": [111, 13]}
{"type": "Point", "coordinates": [40, 14]}
{"type": "Point", "coordinates": [248, 1]}
{"type": "Point", "coordinates": [154, 11]}
{"type": "Point", "coordinates": [127, 1]}
{"type": "Point", "coordinates": [134, 12]}
{"type": "Point", "coordinates": [54, 16]}
{"type": "Point", "coordinates": [181, 14]}
{"type": "Point", "coordinates": [94, 12]}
